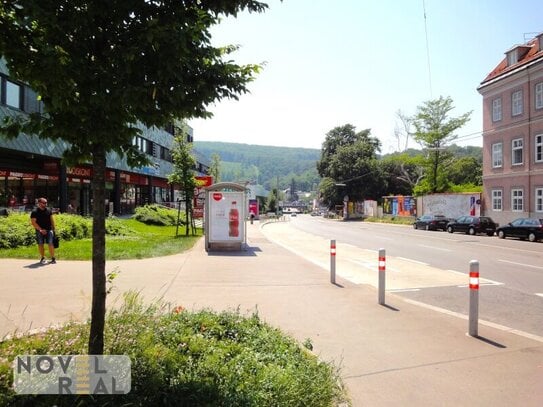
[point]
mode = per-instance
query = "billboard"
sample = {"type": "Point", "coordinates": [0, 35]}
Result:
{"type": "Point", "coordinates": [226, 216]}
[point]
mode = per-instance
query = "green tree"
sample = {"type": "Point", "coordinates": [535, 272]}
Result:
{"type": "Point", "coordinates": [434, 130]}
{"type": "Point", "coordinates": [272, 201]}
{"type": "Point", "coordinates": [215, 168]}
{"type": "Point", "coordinates": [465, 170]}
{"type": "Point", "coordinates": [350, 158]}
{"type": "Point", "coordinates": [103, 67]}
{"type": "Point", "coordinates": [183, 175]}
{"type": "Point", "coordinates": [329, 193]}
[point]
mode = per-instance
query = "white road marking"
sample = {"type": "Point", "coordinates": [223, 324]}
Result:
{"type": "Point", "coordinates": [485, 282]}
{"type": "Point", "coordinates": [539, 294]}
{"type": "Point", "coordinates": [482, 322]}
{"type": "Point", "coordinates": [435, 248]}
{"type": "Point", "coordinates": [520, 264]}
{"type": "Point", "coordinates": [403, 290]}
{"type": "Point", "coordinates": [413, 261]}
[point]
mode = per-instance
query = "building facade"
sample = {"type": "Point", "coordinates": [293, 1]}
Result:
{"type": "Point", "coordinates": [31, 167]}
{"type": "Point", "coordinates": [513, 134]}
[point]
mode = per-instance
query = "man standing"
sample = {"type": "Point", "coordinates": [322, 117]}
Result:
{"type": "Point", "coordinates": [42, 220]}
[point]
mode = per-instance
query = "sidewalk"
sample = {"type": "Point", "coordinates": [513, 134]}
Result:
{"type": "Point", "coordinates": [398, 354]}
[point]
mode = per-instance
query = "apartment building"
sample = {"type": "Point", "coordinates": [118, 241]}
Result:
{"type": "Point", "coordinates": [31, 167]}
{"type": "Point", "coordinates": [513, 134]}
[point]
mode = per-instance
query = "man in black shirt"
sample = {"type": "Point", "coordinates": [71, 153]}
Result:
{"type": "Point", "coordinates": [42, 220]}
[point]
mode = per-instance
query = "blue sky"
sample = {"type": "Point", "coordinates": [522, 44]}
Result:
{"type": "Point", "coordinates": [329, 63]}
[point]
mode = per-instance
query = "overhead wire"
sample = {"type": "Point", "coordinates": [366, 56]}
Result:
{"type": "Point", "coordinates": [427, 49]}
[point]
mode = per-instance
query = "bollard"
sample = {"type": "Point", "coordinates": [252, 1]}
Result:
{"type": "Point", "coordinates": [382, 276]}
{"type": "Point", "coordinates": [473, 297]}
{"type": "Point", "coordinates": [333, 261]}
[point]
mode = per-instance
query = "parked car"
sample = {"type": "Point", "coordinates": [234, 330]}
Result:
{"type": "Point", "coordinates": [431, 222]}
{"type": "Point", "coordinates": [523, 228]}
{"type": "Point", "coordinates": [473, 225]}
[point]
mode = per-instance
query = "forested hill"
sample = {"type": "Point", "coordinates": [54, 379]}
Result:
{"type": "Point", "coordinates": [264, 164]}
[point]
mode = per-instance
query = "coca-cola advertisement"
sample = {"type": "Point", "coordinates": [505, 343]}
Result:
{"type": "Point", "coordinates": [226, 216]}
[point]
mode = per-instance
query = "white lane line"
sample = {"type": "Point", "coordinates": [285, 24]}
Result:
{"type": "Point", "coordinates": [480, 285]}
{"type": "Point", "coordinates": [435, 248]}
{"type": "Point", "coordinates": [413, 261]}
{"type": "Point", "coordinates": [486, 281]}
{"type": "Point", "coordinates": [539, 294]}
{"type": "Point", "coordinates": [520, 264]}
{"type": "Point", "coordinates": [403, 290]}
{"type": "Point", "coordinates": [482, 322]}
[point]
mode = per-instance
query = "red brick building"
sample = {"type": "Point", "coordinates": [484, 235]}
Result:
{"type": "Point", "coordinates": [513, 134]}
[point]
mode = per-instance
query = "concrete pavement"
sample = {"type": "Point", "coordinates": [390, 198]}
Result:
{"type": "Point", "coordinates": [398, 354]}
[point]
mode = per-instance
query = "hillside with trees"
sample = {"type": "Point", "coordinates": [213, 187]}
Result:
{"type": "Point", "coordinates": [348, 156]}
{"type": "Point", "coordinates": [265, 165]}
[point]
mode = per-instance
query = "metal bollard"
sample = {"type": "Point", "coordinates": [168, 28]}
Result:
{"type": "Point", "coordinates": [333, 261]}
{"type": "Point", "coordinates": [473, 297]}
{"type": "Point", "coordinates": [382, 276]}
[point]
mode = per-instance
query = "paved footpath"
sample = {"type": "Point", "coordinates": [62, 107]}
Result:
{"type": "Point", "coordinates": [398, 354]}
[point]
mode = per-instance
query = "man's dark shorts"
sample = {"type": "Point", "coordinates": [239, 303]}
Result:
{"type": "Point", "coordinates": [47, 238]}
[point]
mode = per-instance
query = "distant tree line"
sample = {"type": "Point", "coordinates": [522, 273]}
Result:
{"type": "Point", "coordinates": [350, 164]}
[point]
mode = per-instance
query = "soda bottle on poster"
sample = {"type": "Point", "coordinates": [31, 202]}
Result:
{"type": "Point", "coordinates": [233, 221]}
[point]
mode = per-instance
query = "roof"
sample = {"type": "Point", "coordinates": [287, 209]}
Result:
{"type": "Point", "coordinates": [534, 53]}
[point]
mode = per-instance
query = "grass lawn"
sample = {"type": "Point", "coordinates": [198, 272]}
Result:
{"type": "Point", "coordinates": [146, 241]}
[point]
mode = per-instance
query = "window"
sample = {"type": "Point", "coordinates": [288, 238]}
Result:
{"type": "Point", "coordinates": [516, 103]}
{"type": "Point", "coordinates": [517, 200]}
{"type": "Point", "coordinates": [539, 95]}
{"type": "Point", "coordinates": [539, 148]}
{"type": "Point", "coordinates": [512, 57]}
{"type": "Point", "coordinates": [143, 145]}
{"type": "Point", "coordinates": [32, 102]}
{"type": "Point", "coordinates": [497, 155]}
{"type": "Point", "coordinates": [539, 199]}
{"type": "Point", "coordinates": [497, 110]}
{"type": "Point", "coordinates": [497, 199]}
{"type": "Point", "coordinates": [516, 151]}
{"type": "Point", "coordinates": [13, 94]}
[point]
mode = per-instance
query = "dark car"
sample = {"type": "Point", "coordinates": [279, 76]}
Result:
{"type": "Point", "coordinates": [523, 228]}
{"type": "Point", "coordinates": [431, 222]}
{"type": "Point", "coordinates": [473, 225]}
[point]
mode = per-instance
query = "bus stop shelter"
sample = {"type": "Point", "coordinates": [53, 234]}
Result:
{"type": "Point", "coordinates": [225, 214]}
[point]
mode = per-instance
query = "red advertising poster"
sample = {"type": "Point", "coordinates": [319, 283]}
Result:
{"type": "Point", "coordinates": [199, 195]}
{"type": "Point", "coordinates": [253, 208]}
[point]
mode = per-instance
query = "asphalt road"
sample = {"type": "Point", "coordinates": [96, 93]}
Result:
{"type": "Point", "coordinates": [514, 295]}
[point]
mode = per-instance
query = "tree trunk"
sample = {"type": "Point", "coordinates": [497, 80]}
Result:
{"type": "Point", "coordinates": [434, 170]}
{"type": "Point", "coordinates": [98, 312]}
{"type": "Point", "coordinates": [187, 213]}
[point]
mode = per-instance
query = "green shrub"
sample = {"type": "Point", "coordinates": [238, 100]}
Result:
{"type": "Point", "coordinates": [16, 229]}
{"type": "Point", "coordinates": [157, 215]}
{"type": "Point", "coordinates": [189, 358]}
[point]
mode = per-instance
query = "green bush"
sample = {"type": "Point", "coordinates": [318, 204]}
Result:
{"type": "Point", "coordinates": [183, 358]}
{"type": "Point", "coordinates": [16, 229]}
{"type": "Point", "coordinates": [157, 215]}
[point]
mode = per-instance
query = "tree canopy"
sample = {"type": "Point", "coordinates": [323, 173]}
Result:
{"type": "Point", "coordinates": [349, 162]}
{"type": "Point", "coordinates": [434, 129]}
{"type": "Point", "coordinates": [101, 68]}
